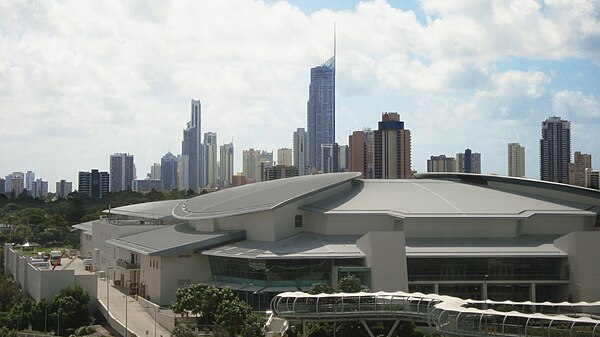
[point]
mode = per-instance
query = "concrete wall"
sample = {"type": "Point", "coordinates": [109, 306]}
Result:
{"type": "Point", "coordinates": [46, 284]}
{"type": "Point", "coordinates": [460, 228]}
{"type": "Point", "coordinates": [386, 256]}
{"type": "Point", "coordinates": [258, 226]}
{"type": "Point", "coordinates": [104, 254]}
{"type": "Point", "coordinates": [179, 270]}
{"type": "Point", "coordinates": [358, 224]}
{"type": "Point", "coordinates": [584, 255]}
{"type": "Point", "coordinates": [151, 275]}
{"type": "Point", "coordinates": [556, 224]}
{"type": "Point", "coordinates": [86, 245]}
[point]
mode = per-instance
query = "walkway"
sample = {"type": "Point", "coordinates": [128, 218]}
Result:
{"type": "Point", "coordinates": [137, 318]}
{"type": "Point", "coordinates": [450, 316]}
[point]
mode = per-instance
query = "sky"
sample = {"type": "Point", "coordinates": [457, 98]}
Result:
{"type": "Point", "coordinates": [81, 80]}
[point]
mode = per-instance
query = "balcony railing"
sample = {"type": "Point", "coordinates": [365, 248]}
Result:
{"type": "Point", "coordinates": [128, 265]}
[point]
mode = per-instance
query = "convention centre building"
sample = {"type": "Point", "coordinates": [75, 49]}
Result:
{"type": "Point", "coordinates": [465, 235]}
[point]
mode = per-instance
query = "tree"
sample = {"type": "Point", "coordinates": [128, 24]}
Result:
{"type": "Point", "coordinates": [232, 313]}
{"type": "Point", "coordinates": [350, 284]}
{"type": "Point", "coordinates": [253, 326]}
{"type": "Point", "coordinates": [71, 306]}
{"type": "Point", "coordinates": [321, 288]}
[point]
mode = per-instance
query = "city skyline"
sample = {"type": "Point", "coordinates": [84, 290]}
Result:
{"type": "Point", "coordinates": [89, 91]}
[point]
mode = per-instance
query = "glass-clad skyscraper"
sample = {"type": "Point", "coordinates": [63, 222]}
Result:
{"type": "Point", "coordinates": [320, 111]}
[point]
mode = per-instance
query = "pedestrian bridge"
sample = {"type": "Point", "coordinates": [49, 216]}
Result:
{"type": "Point", "coordinates": [451, 316]}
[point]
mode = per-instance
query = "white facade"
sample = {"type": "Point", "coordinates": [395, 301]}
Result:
{"type": "Point", "coordinates": [516, 160]}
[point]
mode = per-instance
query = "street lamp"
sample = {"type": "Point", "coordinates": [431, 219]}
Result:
{"type": "Point", "coordinates": [244, 286]}
{"type": "Point", "coordinates": [58, 321]}
{"type": "Point", "coordinates": [485, 291]}
{"type": "Point", "coordinates": [107, 296]}
{"type": "Point", "coordinates": [126, 329]}
{"type": "Point", "coordinates": [155, 313]}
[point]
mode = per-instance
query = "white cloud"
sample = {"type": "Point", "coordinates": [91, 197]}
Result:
{"type": "Point", "coordinates": [573, 104]}
{"type": "Point", "coordinates": [81, 80]}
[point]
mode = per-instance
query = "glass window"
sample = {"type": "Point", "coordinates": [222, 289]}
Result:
{"type": "Point", "coordinates": [298, 221]}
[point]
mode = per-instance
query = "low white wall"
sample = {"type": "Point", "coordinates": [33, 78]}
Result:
{"type": "Point", "coordinates": [166, 320]}
{"type": "Point", "coordinates": [46, 284]}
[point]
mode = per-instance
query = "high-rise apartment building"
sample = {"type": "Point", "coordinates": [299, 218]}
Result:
{"type": "Point", "coordinates": [122, 172]}
{"type": "Point", "coordinates": [361, 152]}
{"type": "Point", "coordinates": [592, 178]}
{"type": "Point", "coordinates": [468, 162]}
{"type": "Point", "coordinates": [183, 173]}
{"type": "Point", "coordinates": [330, 158]}
{"type": "Point", "coordinates": [581, 162]}
{"type": "Point", "coordinates": [284, 156]}
{"type": "Point", "coordinates": [94, 184]}
{"type": "Point", "coordinates": [191, 150]}
{"type": "Point", "coordinates": [29, 179]}
{"type": "Point", "coordinates": [14, 184]}
{"type": "Point", "coordinates": [155, 172]}
{"type": "Point", "coordinates": [441, 163]}
{"type": "Point", "coordinates": [63, 188]}
{"type": "Point", "coordinates": [226, 165]}
{"type": "Point", "coordinates": [320, 111]}
{"type": "Point", "coordinates": [516, 160]}
{"type": "Point", "coordinates": [555, 150]}
{"type": "Point", "coordinates": [168, 172]}
{"type": "Point", "coordinates": [251, 164]}
{"type": "Point", "coordinates": [210, 159]}
{"type": "Point", "coordinates": [343, 164]}
{"type": "Point", "coordinates": [392, 148]}
{"type": "Point", "coordinates": [300, 151]}
{"type": "Point", "coordinates": [39, 189]}
{"type": "Point", "coordinates": [279, 172]}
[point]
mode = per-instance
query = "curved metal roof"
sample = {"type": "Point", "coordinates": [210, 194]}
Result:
{"type": "Point", "coordinates": [258, 197]}
{"type": "Point", "coordinates": [406, 198]}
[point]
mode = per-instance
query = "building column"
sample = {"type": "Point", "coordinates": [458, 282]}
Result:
{"type": "Point", "coordinates": [532, 291]}
{"type": "Point", "coordinates": [436, 288]}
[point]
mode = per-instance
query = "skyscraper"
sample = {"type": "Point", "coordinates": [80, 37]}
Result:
{"type": "Point", "coordinates": [441, 163]}
{"type": "Point", "coordinates": [555, 150]}
{"type": "Point", "coordinates": [251, 165]}
{"type": "Point", "coordinates": [63, 188]}
{"type": "Point", "coordinates": [284, 156]}
{"type": "Point", "coordinates": [155, 172]}
{"type": "Point", "coordinates": [321, 110]}
{"type": "Point", "coordinates": [210, 159]}
{"type": "Point", "coordinates": [191, 150]}
{"type": "Point", "coordinates": [226, 165]}
{"type": "Point", "coordinates": [343, 151]}
{"type": "Point", "coordinates": [94, 184]}
{"type": "Point", "coordinates": [29, 179]}
{"type": "Point", "coordinates": [361, 152]}
{"type": "Point", "coordinates": [392, 148]}
{"type": "Point", "coordinates": [330, 158]}
{"type": "Point", "coordinates": [168, 172]}
{"type": "Point", "coordinates": [516, 160]}
{"type": "Point", "coordinates": [39, 189]}
{"type": "Point", "coordinates": [300, 151]}
{"type": "Point", "coordinates": [122, 172]}
{"type": "Point", "coordinates": [14, 184]}
{"type": "Point", "coordinates": [468, 162]}
{"type": "Point", "coordinates": [581, 162]}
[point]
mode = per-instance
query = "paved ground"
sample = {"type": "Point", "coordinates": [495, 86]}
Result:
{"type": "Point", "coordinates": [139, 321]}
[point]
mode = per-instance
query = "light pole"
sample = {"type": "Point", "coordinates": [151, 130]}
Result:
{"type": "Point", "coordinates": [126, 329]}
{"type": "Point", "coordinates": [485, 291]}
{"type": "Point", "coordinates": [107, 295]}
{"type": "Point", "coordinates": [58, 321]}
{"type": "Point", "coordinates": [155, 313]}
{"type": "Point", "coordinates": [246, 285]}
{"type": "Point", "coordinates": [45, 315]}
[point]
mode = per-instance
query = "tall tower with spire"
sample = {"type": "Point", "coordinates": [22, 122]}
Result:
{"type": "Point", "coordinates": [320, 116]}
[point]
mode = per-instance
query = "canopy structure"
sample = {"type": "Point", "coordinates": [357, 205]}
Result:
{"type": "Point", "coordinates": [451, 316]}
